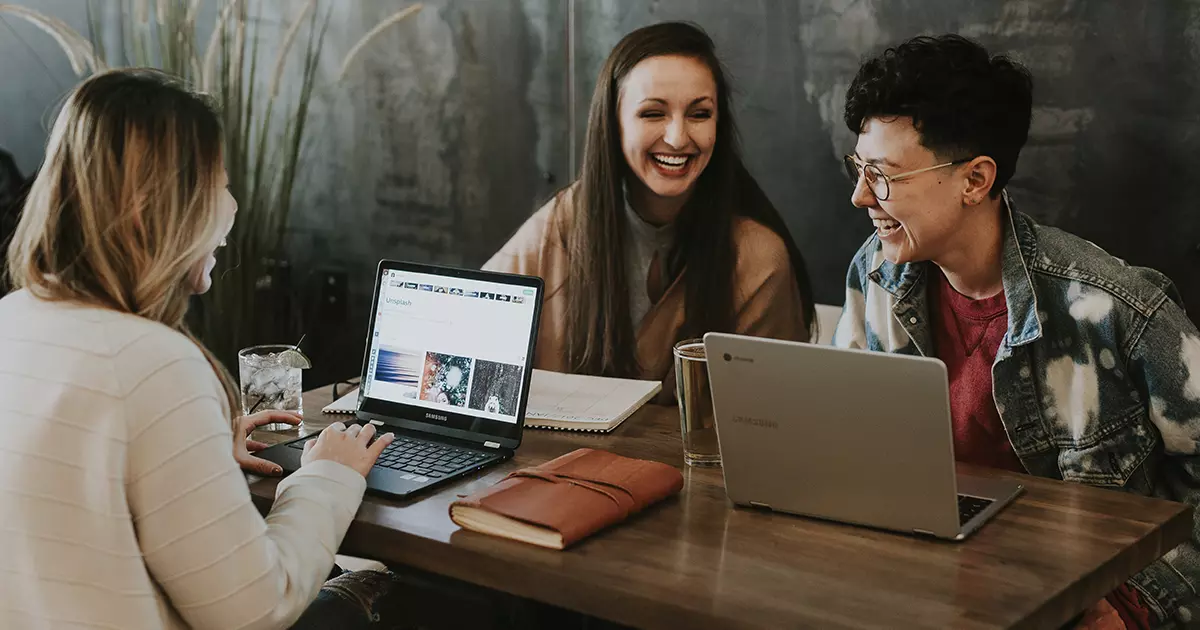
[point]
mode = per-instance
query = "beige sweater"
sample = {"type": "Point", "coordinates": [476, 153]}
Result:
{"type": "Point", "coordinates": [766, 300]}
{"type": "Point", "coordinates": [121, 505]}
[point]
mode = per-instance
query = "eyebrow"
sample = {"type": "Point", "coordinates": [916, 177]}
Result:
{"type": "Point", "coordinates": [883, 161]}
{"type": "Point", "coordinates": [660, 101]}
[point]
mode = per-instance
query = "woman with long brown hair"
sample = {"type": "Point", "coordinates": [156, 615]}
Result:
{"type": "Point", "coordinates": [122, 500]}
{"type": "Point", "coordinates": [665, 235]}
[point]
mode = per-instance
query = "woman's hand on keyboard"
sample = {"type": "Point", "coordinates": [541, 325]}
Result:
{"type": "Point", "coordinates": [350, 446]}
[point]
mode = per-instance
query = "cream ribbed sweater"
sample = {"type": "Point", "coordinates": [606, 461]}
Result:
{"type": "Point", "coordinates": [121, 505]}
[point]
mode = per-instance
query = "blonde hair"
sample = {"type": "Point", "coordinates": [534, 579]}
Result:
{"type": "Point", "coordinates": [124, 206]}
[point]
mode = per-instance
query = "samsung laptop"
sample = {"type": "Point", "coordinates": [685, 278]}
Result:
{"type": "Point", "coordinates": [846, 435]}
{"type": "Point", "coordinates": [447, 368]}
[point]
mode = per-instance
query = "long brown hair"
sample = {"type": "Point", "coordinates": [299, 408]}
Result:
{"type": "Point", "coordinates": [600, 332]}
{"type": "Point", "coordinates": [125, 204]}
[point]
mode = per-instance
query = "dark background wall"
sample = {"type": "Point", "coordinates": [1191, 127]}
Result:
{"type": "Point", "coordinates": [457, 124]}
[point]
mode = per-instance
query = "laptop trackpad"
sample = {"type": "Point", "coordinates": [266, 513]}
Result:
{"type": "Point", "coordinates": [287, 455]}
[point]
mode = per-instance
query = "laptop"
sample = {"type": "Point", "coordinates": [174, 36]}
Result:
{"type": "Point", "coordinates": [846, 435]}
{"type": "Point", "coordinates": [446, 370]}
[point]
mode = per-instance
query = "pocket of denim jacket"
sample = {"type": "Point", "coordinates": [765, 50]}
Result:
{"type": "Point", "coordinates": [1109, 456]}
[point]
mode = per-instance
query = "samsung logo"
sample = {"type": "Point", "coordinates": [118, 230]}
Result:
{"type": "Point", "coordinates": [756, 422]}
{"type": "Point", "coordinates": [435, 416]}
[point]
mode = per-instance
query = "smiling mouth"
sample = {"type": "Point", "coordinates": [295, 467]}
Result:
{"type": "Point", "coordinates": [886, 227]}
{"type": "Point", "coordinates": [671, 163]}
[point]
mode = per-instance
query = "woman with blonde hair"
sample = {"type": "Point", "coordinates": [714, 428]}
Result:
{"type": "Point", "coordinates": [121, 499]}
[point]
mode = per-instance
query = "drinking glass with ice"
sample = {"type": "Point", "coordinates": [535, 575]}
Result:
{"type": "Point", "coordinates": [270, 378]}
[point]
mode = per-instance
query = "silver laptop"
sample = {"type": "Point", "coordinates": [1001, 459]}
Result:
{"type": "Point", "coordinates": [847, 435]}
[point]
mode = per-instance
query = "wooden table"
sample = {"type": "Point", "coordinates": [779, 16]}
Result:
{"type": "Point", "coordinates": [697, 561]}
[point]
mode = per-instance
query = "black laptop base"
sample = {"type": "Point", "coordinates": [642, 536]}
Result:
{"type": "Point", "coordinates": [409, 465]}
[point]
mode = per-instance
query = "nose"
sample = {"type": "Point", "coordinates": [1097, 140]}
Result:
{"type": "Point", "coordinates": [675, 135]}
{"type": "Point", "coordinates": [863, 196]}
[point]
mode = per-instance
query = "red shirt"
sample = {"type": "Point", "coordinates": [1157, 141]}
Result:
{"type": "Point", "coordinates": [967, 334]}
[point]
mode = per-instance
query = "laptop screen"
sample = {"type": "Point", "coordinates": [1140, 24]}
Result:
{"type": "Point", "coordinates": [451, 348]}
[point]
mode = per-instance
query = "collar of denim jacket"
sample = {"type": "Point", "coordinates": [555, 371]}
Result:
{"type": "Point", "coordinates": [1020, 247]}
{"type": "Point", "coordinates": [1020, 244]}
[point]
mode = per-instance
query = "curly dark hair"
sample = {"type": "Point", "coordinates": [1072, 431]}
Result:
{"type": "Point", "coordinates": [962, 101]}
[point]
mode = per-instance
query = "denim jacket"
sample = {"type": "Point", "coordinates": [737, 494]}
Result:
{"type": "Point", "coordinates": [1097, 380]}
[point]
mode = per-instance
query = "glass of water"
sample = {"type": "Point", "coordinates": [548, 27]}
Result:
{"type": "Point", "coordinates": [271, 379]}
{"type": "Point", "coordinates": [700, 447]}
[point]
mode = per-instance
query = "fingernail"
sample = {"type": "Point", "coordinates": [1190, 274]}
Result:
{"type": "Point", "coordinates": [277, 470]}
{"type": "Point", "coordinates": [390, 436]}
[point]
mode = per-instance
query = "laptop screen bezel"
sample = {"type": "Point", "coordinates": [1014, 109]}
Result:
{"type": "Point", "coordinates": [465, 425]}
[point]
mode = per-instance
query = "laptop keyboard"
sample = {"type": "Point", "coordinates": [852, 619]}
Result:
{"type": "Point", "coordinates": [420, 458]}
{"type": "Point", "coordinates": [970, 507]}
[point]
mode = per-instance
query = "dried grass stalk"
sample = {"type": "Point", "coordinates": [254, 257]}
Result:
{"type": "Point", "coordinates": [288, 38]}
{"type": "Point", "coordinates": [76, 48]}
{"type": "Point", "coordinates": [395, 18]}
{"type": "Point", "coordinates": [193, 10]}
{"type": "Point", "coordinates": [213, 47]}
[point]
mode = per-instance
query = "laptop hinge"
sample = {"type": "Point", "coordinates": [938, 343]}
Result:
{"type": "Point", "coordinates": [761, 506]}
{"type": "Point", "coordinates": [492, 444]}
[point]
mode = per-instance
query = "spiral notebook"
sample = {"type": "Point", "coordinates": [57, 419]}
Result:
{"type": "Point", "coordinates": [564, 401]}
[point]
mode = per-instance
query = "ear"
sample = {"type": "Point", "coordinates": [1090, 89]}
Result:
{"type": "Point", "coordinates": [981, 174]}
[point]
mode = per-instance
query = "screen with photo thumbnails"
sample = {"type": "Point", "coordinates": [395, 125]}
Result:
{"type": "Point", "coordinates": [450, 344]}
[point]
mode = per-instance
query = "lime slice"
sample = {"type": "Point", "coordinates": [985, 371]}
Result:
{"type": "Point", "coordinates": [295, 359]}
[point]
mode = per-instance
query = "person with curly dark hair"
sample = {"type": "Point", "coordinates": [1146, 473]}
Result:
{"type": "Point", "coordinates": [1063, 361]}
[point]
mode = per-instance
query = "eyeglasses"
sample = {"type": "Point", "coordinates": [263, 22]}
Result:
{"type": "Point", "coordinates": [880, 182]}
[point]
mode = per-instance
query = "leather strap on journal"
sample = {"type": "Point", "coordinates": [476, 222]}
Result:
{"type": "Point", "coordinates": [622, 497]}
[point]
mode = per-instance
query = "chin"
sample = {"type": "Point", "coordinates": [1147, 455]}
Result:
{"type": "Point", "coordinates": [897, 255]}
{"type": "Point", "coordinates": [201, 279]}
{"type": "Point", "coordinates": [669, 189]}
{"type": "Point", "coordinates": [202, 286]}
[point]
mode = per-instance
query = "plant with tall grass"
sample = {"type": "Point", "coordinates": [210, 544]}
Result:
{"type": "Point", "coordinates": [264, 125]}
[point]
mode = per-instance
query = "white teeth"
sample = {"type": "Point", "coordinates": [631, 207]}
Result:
{"type": "Point", "coordinates": [673, 161]}
{"type": "Point", "coordinates": [885, 226]}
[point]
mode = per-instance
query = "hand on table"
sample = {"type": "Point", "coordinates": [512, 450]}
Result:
{"type": "Point", "coordinates": [243, 445]}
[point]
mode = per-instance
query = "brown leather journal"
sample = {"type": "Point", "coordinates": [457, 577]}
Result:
{"type": "Point", "coordinates": [567, 499]}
